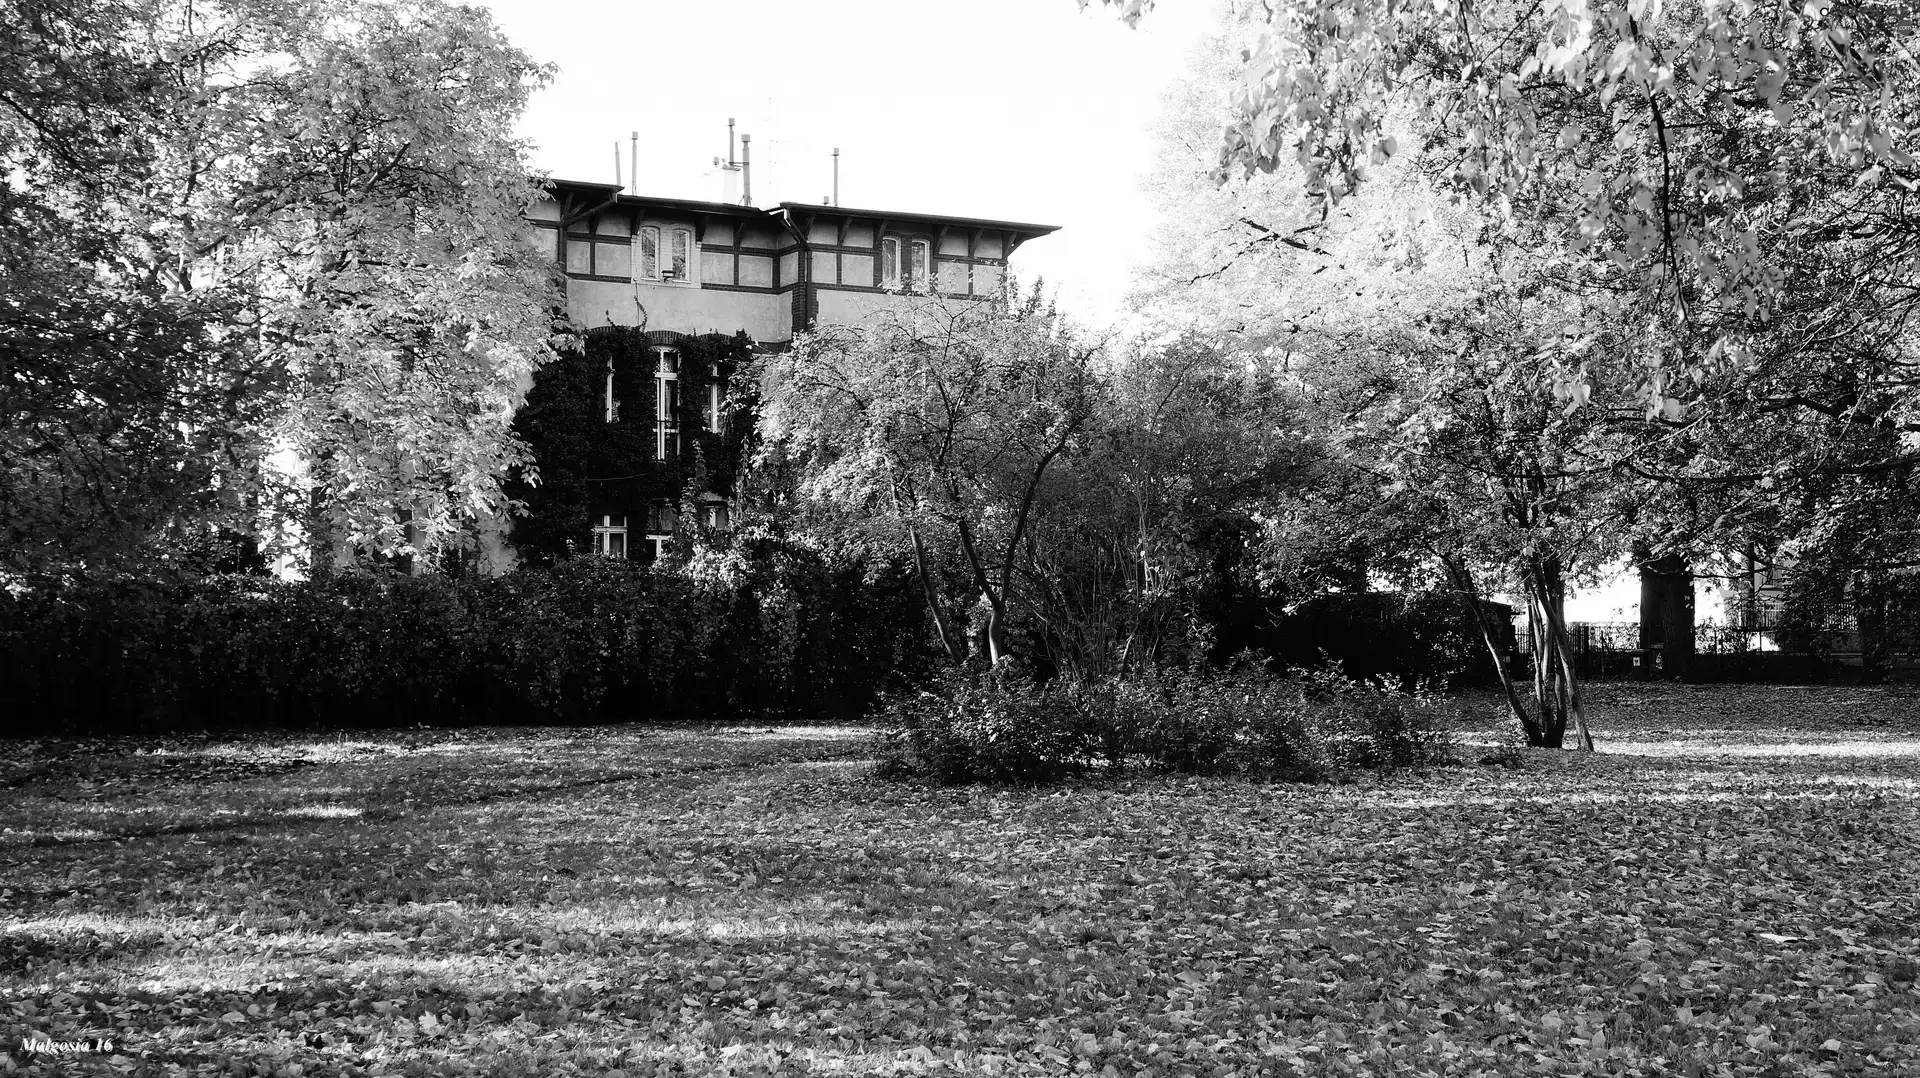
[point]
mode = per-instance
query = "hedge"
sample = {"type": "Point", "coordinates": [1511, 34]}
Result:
{"type": "Point", "coordinates": [765, 629]}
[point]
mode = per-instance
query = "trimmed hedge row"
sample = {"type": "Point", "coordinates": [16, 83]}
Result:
{"type": "Point", "coordinates": [767, 628]}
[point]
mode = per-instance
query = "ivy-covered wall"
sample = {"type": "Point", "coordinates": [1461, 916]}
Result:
{"type": "Point", "coordinates": [589, 467]}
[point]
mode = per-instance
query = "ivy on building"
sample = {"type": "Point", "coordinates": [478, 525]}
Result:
{"type": "Point", "coordinates": [589, 467]}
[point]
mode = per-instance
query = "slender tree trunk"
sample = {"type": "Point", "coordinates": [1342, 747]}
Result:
{"type": "Point", "coordinates": [932, 594]}
{"type": "Point", "coordinates": [996, 611]}
{"type": "Point", "coordinates": [1550, 594]}
{"type": "Point", "coordinates": [1552, 724]}
{"type": "Point", "coordinates": [1463, 583]}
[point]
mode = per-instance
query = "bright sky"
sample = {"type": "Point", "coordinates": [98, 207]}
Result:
{"type": "Point", "coordinates": [1024, 110]}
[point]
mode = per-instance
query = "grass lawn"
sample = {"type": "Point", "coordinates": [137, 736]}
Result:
{"type": "Point", "coordinates": [1729, 888]}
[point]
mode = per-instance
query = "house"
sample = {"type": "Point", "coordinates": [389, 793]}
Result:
{"type": "Point", "coordinates": [672, 293]}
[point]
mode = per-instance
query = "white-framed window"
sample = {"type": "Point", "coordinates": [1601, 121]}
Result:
{"type": "Point", "coordinates": [680, 254]}
{"type": "Point", "coordinates": [610, 536]}
{"type": "Point", "coordinates": [647, 265]}
{"type": "Point", "coordinates": [914, 273]}
{"type": "Point", "coordinates": [921, 264]}
{"type": "Point", "coordinates": [660, 525]}
{"type": "Point", "coordinates": [663, 257]}
{"type": "Point", "coordinates": [713, 512]}
{"type": "Point", "coordinates": [666, 396]}
{"type": "Point", "coordinates": [715, 395]}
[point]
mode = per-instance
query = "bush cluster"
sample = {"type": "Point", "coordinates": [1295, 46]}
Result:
{"type": "Point", "coordinates": [1002, 727]}
{"type": "Point", "coordinates": [767, 628]}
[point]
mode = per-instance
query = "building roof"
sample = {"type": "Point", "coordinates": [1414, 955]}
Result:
{"type": "Point", "coordinates": [615, 193]}
{"type": "Point", "coordinates": [894, 215]}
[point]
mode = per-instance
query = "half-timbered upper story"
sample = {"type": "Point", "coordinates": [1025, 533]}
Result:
{"type": "Point", "coordinates": [689, 267]}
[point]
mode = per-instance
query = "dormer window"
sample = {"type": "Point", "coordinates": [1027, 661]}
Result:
{"type": "Point", "coordinates": [673, 262]}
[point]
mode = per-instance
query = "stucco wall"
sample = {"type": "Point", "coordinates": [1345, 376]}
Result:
{"type": "Point", "coordinates": [847, 308]}
{"type": "Point", "coordinates": [679, 308]}
{"type": "Point", "coordinates": [856, 269]}
{"type": "Point", "coordinates": [756, 271]}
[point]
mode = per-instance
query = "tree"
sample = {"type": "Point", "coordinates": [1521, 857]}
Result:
{"type": "Point", "coordinates": [1655, 137]}
{"type": "Point", "coordinates": [303, 226]}
{"type": "Point", "coordinates": [1732, 181]}
{"type": "Point", "coordinates": [946, 418]}
{"type": "Point", "coordinates": [1470, 437]}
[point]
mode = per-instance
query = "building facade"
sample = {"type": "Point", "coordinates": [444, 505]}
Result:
{"type": "Point", "coordinates": [677, 266]}
{"type": "Point", "coordinates": [674, 294]}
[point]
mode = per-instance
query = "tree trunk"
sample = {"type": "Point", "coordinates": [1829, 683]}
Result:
{"type": "Point", "coordinates": [1550, 597]}
{"type": "Point", "coordinates": [1551, 728]}
{"type": "Point", "coordinates": [933, 595]}
{"type": "Point", "coordinates": [1666, 610]}
{"type": "Point", "coordinates": [1463, 583]}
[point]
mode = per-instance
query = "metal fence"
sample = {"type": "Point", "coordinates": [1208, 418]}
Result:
{"type": "Point", "coordinates": [1607, 639]}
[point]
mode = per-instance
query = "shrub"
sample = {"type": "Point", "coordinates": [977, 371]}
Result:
{"type": "Point", "coordinates": [991, 727]}
{"type": "Point", "coordinates": [998, 728]}
{"type": "Point", "coordinates": [1325, 722]}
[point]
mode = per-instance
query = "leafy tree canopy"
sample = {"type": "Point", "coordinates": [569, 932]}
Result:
{"type": "Point", "coordinates": [262, 260]}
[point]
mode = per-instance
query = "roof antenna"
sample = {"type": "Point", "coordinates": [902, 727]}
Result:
{"type": "Point", "coordinates": [836, 175]}
{"type": "Point", "coordinates": [729, 166]}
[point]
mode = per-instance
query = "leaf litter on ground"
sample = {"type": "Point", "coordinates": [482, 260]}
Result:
{"type": "Point", "coordinates": [743, 900]}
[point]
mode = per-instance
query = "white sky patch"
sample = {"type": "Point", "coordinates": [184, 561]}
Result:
{"type": "Point", "coordinates": [1024, 110]}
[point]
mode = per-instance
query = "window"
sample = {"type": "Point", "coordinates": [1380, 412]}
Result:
{"type": "Point", "coordinates": [922, 259]}
{"type": "Point", "coordinates": [648, 266]}
{"type": "Point", "coordinates": [919, 263]}
{"type": "Point", "coordinates": [666, 394]}
{"type": "Point", "coordinates": [674, 263]}
{"type": "Point", "coordinates": [714, 398]}
{"type": "Point", "coordinates": [682, 255]}
{"type": "Point", "coordinates": [713, 513]}
{"type": "Point", "coordinates": [612, 409]}
{"type": "Point", "coordinates": [610, 537]}
{"type": "Point", "coordinates": [660, 524]}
